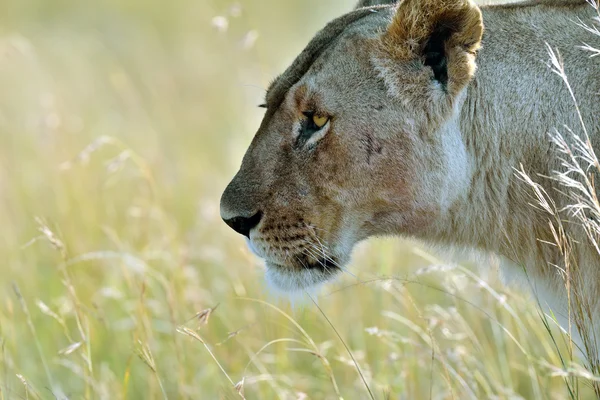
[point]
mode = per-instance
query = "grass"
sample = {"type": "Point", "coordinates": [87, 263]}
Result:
{"type": "Point", "coordinates": [120, 125]}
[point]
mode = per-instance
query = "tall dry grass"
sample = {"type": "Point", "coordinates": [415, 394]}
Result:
{"type": "Point", "coordinates": [573, 211]}
{"type": "Point", "coordinates": [120, 124]}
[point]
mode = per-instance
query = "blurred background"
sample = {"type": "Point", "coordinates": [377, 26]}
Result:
{"type": "Point", "coordinates": [121, 122]}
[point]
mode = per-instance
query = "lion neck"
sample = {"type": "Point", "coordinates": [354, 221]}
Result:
{"type": "Point", "coordinates": [510, 108]}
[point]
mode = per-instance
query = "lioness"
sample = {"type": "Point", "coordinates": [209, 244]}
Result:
{"type": "Point", "coordinates": [411, 119]}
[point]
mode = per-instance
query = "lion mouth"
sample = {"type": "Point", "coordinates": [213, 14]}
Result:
{"type": "Point", "coordinates": [324, 264]}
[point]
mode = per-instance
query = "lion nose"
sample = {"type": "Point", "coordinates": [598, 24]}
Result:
{"type": "Point", "coordinates": [243, 225]}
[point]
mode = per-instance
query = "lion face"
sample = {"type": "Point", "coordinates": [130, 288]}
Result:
{"type": "Point", "coordinates": [356, 141]}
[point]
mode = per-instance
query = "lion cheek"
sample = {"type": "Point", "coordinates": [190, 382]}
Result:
{"type": "Point", "coordinates": [415, 222]}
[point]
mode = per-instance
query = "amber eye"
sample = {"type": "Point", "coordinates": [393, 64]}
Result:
{"type": "Point", "coordinates": [311, 125]}
{"type": "Point", "coordinates": [319, 120]}
{"type": "Point", "coordinates": [314, 121]}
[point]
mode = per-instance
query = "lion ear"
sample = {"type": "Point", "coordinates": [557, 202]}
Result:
{"type": "Point", "coordinates": [443, 34]}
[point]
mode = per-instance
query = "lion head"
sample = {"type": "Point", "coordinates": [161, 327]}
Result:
{"type": "Point", "coordinates": [360, 138]}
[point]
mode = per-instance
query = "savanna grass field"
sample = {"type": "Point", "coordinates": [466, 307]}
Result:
{"type": "Point", "coordinates": [121, 122]}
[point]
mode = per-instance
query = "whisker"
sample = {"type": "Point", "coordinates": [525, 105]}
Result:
{"type": "Point", "coordinates": [311, 254]}
{"type": "Point", "coordinates": [327, 257]}
{"type": "Point", "coordinates": [303, 265]}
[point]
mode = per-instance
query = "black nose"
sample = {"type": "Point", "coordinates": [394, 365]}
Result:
{"type": "Point", "coordinates": [243, 225]}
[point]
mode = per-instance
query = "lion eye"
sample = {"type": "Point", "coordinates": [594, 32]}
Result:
{"type": "Point", "coordinates": [311, 125]}
{"type": "Point", "coordinates": [314, 121]}
{"type": "Point", "coordinates": [319, 120]}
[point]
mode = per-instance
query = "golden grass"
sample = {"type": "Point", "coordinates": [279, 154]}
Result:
{"type": "Point", "coordinates": [120, 124]}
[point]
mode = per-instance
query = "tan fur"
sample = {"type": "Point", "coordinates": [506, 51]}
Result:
{"type": "Point", "coordinates": [403, 154]}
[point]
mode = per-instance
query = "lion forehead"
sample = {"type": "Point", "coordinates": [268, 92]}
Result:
{"type": "Point", "coordinates": [363, 23]}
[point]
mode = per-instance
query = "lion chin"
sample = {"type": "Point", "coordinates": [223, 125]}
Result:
{"type": "Point", "coordinates": [293, 281]}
